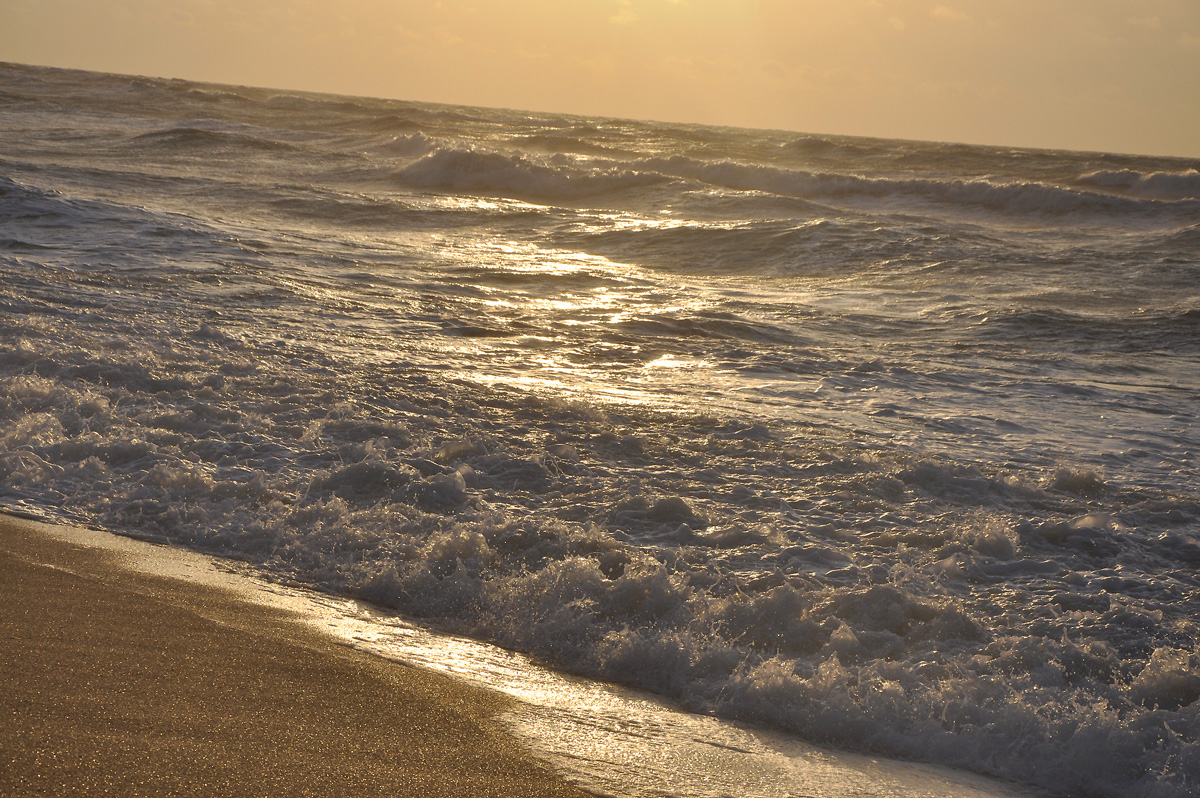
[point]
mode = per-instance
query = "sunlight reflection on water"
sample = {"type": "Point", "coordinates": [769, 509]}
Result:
{"type": "Point", "coordinates": [617, 741]}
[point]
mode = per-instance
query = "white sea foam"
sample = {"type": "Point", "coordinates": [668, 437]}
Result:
{"type": "Point", "coordinates": [415, 144]}
{"type": "Point", "coordinates": [1156, 185]}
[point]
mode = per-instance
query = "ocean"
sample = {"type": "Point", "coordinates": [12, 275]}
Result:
{"type": "Point", "coordinates": [887, 446]}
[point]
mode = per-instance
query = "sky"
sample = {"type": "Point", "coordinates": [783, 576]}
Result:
{"type": "Point", "coordinates": [1107, 75]}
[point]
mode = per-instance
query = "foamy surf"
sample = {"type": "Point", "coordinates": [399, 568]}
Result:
{"type": "Point", "coordinates": [607, 739]}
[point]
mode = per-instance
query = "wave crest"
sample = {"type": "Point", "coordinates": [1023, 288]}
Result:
{"type": "Point", "coordinates": [456, 169]}
{"type": "Point", "coordinates": [1183, 185]}
{"type": "Point", "coordinates": [1024, 197]}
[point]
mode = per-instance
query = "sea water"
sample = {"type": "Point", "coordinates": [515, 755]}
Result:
{"type": "Point", "coordinates": [889, 446]}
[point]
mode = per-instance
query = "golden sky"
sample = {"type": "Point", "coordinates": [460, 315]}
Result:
{"type": "Point", "coordinates": [1108, 75]}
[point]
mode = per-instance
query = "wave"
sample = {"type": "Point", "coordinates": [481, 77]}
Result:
{"type": "Point", "coordinates": [1182, 185]}
{"type": "Point", "coordinates": [564, 143]}
{"type": "Point", "coordinates": [564, 177]}
{"type": "Point", "coordinates": [1018, 197]}
{"type": "Point", "coordinates": [188, 137]}
{"type": "Point", "coordinates": [456, 169]}
{"type": "Point", "coordinates": [396, 116]}
{"type": "Point", "coordinates": [212, 95]}
{"type": "Point", "coordinates": [314, 103]}
{"type": "Point", "coordinates": [820, 246]}
{"type": "Point", "coordinates": [33, 206]}
{"type": "Point", "coordinates": [708, 326]}
{"type": "Point", "coordinates": [1182, 242]}
{"type": "Point", "coordinates": [17, 245]}
{"type": "Point", "coordinates": [837, 148]}
{"type": "Point", "coordinates": [828, 244]}
{"type": "Point", "coordinates": [411, 145]}
{"type": "Point", "coordinates": [388, 123]}
{"type": "Point", "coordinates": [813, 145]}
{"type": "Point", "coordinates": [101, 237]}
{"type": "Point", "coordinates": [337, 208]}
{"type": "Point", "coordinates": [1176, 330]}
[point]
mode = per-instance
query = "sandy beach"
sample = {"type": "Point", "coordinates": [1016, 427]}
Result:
{"type": "Point", "coordinates": [118, 682]}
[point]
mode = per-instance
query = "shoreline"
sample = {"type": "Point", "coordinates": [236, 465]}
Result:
{"type": "Point", "coordinates": [134, 671]}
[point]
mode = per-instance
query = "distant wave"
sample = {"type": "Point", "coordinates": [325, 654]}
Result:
{"type": "Point", "coordinates": [199, 138]}
{"type": "Point", "coordinates": [772, 247]}
{"type": "Point", "coordinates": [213, 96]}
{"type": "Point", "coordinates": [313, 103]}
{"type": "Point", "coordinates": [360, 210]}
{"type": "Point", "coordinates": [562, 177]}
{"type": "Point", "coordinates": [1183, 185]}
{"type": "Point", "coordinates": [389, 123]}
{"type": "Point", "coordinates": [410, 145]}
{"type": "Point", "coordinates": [565, 142]}
{"type": "Point", "coordinates": [829, 147]}
{"type": "Point", "coordinates": [482, 171]}
{"type": "Point", "coordinates": [812, 144]}
{"type": "Point", "coordinates": [1013, 196]}
{"type": "Point", "coordinates": [393, 117]}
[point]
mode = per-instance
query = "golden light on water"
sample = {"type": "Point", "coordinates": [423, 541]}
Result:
{"type": "Point", "coordinates": [606, 737]}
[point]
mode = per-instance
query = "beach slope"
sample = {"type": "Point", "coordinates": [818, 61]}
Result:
{"type": "Point", "coordinates": [118, 682]}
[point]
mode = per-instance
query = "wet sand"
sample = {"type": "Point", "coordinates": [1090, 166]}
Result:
{"type": "Point", "coordinates": [122, 683]}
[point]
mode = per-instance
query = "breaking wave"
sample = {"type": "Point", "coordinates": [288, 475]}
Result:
{"type": "Point", "coordinates": [1171, 186]}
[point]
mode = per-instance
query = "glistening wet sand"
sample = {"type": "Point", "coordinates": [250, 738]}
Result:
{"type": "Point", "coordinates": [117, 682]}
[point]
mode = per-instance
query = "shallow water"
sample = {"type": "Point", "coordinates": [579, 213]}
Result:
{"type": "Point", "coordinates": [886, 445]}
{"type": "Point", "coordinates": [608, 739]}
